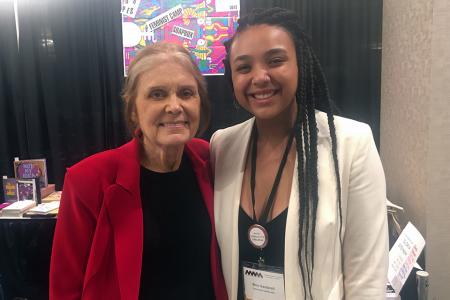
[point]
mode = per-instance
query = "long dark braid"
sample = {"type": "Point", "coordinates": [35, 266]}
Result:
{"type": "Point", "coordinates": [312, 92]}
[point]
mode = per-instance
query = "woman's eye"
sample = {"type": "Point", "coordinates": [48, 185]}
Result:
{"type": "Point", "coordinates": [275, 61]}
{"type": "Point", "coordinates": [157, 94]}
{"type": "Point", "coordinates": [243, 68]}
{"type": "Point", "coordinates": [187, 93]}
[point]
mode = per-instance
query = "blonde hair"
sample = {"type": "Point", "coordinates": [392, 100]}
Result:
{"type": "Point", "coordinates": [155, 54]}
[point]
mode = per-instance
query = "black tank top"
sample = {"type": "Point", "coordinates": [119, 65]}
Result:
{"type": "Point", "coordinates": [273, 253]}
{"type": "Point", "coordinates": [177, 236]}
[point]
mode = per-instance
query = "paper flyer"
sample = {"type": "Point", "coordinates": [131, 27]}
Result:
{"type": "Point", "coordinates": [403, 256]}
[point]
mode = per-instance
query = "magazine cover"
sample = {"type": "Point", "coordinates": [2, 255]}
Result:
{"type": "Point", "coordinates": [10, 189]}
{"type": "Point", "coordinates": [31, 168]}
{"type": "Point", "coordinates": [28, 189]}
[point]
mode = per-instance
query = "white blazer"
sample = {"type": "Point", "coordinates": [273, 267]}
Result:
{"type": "Point", "coordinates": [364, 229]}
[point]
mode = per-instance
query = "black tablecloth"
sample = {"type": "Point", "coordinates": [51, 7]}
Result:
{"type": "Point", "coordinates": [25, 249]}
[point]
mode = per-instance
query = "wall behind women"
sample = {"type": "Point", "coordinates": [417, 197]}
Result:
{"type": "Point", "coordinates": [65, 103]}
{"type": "Point", "coordinates": [415, 124]}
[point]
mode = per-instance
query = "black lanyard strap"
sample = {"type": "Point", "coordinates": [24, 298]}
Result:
{"type": "Point", "coordinates": [270, 200]}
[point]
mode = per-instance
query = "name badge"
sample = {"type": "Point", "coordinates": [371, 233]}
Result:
{"type": "Point", "coordinates": [263, 284]}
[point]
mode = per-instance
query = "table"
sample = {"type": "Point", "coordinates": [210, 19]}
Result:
{"type": "Point", "coordinates": [25, 250]}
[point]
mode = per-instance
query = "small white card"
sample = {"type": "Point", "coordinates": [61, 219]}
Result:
{"type": "Point", "coordinates": [227, 5]}
{"type": "Point", "coordinates": [263, 284]}
{"type": "Point", "coordinates": [403, 256]}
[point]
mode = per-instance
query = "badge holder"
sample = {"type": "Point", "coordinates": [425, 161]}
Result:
{"type": "Point", "coordinates": [262, 282]}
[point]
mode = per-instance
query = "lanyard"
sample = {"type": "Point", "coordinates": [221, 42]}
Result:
{"type": "Point", "coordinates": [270, 200]}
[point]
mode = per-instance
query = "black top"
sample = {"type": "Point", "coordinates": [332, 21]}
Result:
{"type": "Point", "coordinates": [273, 253]}
{"type": "Point", "coordinates": [177, 236]}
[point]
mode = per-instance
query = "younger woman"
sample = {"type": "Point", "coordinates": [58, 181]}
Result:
{"type": "Point", "coordinates": [299, 193]}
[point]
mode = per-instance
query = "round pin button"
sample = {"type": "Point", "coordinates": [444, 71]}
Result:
{"type": "Point", "coordinates": [257, 236]}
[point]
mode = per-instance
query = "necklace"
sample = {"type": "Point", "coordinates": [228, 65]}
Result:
{"type": "Point", "coordinates": [257, 234]}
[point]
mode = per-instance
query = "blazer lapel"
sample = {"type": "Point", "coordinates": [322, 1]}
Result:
{"type": "Point", "coordinates": [239, 152]}
{"type": "Point", "coordinates": [123, 203]}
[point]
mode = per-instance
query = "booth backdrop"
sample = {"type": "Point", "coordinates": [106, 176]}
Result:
{"type": "Point", "coordinates": [60, 92]}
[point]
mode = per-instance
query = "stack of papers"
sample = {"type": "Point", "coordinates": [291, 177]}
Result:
{"type": "Point", "coordinates": [17, 208]}
{"type": "Point", "coordinates": [43, 209]}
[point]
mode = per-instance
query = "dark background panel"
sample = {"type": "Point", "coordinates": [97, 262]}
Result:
{"type": "Point", "coordinates": [60, 93]}
{"type": "Point", "coordinates": [71, 77]}
{"type": "Point", "coordinates": [12, 133]}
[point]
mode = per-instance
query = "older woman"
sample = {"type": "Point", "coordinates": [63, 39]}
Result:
{"type": "Point", "coordinates": [137, 221]}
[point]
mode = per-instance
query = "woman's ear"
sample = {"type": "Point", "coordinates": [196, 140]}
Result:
{"type": "Point", "coordinates": [134, 117]}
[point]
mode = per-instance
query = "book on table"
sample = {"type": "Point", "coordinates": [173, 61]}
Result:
{"type": "Point", "coordinates": [55, 196]}
{"type": "Point", "coordinates": [10, 192]}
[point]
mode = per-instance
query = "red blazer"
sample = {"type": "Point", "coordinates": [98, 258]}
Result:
{"type": "Point", "coordinates": [98, 242]}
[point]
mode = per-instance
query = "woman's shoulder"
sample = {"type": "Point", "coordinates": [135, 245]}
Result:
{"type": "Point", "coordinates": [198, 143]}
{"type": "Point", "coordinates": [345, 128]}
{"type": "Point", "coordinates": [200, 147]}
{"type": "Point", "coordinates": [102, 164]}
{"type": "Point", "coordinates": [233, 133]}
{"type": "Point", "coordinates": [95, 161]}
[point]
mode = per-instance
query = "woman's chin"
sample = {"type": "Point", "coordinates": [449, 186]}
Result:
{"type": "Point", "coordinates": [174, 140]}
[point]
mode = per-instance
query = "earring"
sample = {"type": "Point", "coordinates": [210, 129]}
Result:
{"type": "Point", "coordinates": [138, 132]}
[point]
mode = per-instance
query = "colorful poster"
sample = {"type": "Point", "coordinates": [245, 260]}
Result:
{"type": "Point", "coordinates": [201, 26]}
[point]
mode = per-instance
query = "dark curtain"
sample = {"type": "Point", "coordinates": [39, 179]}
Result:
{"type": "Point", "coordinates": [70, 61]}
{"type": "Point", "coordinates": [224, 109]}
{"type": "Point", "coordinates": [346, 35]}
{"type": "Point", "coordinates": [13, 139]}
{"type": "Point", "coordinates": [66, 105]}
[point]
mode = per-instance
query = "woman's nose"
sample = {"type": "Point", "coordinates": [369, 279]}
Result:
{"type": "Point", "coordinates": [261, 76]}
{"type": "Point", "coordinates": [174, 105]}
